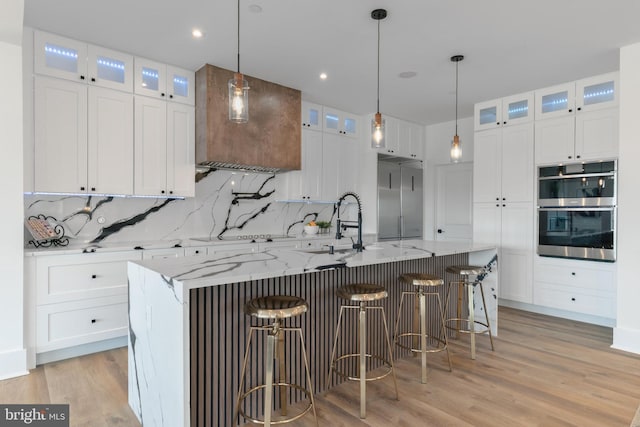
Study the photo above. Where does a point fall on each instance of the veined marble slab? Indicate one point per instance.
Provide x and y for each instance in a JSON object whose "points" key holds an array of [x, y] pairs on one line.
{"points": [[222, 268]]}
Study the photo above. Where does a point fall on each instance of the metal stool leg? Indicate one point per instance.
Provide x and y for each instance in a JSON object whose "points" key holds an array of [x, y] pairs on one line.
{"points": [[363, 359], [486, 314], [423, 333], [472, 319], [395, 329], [335, 344], [242, 375], [268, 392], [282, 374], [442, 329], [386, 335], [309, 385]]}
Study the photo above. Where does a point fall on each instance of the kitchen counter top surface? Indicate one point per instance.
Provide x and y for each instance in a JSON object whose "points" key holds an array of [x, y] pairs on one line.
{"points": [[79, 247], [222, 268]]}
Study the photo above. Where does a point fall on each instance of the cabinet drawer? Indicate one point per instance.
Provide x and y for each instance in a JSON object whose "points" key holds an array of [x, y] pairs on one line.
{"points": [[80, 322], [71, 278], [577, 276], [565, 298]]}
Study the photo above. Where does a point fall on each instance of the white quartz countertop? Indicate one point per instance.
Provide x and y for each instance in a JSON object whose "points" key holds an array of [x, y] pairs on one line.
{"points": [[222, 268]]}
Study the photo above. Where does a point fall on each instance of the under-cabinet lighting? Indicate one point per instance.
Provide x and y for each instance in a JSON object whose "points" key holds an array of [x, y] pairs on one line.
{"points": [[57, 50], [111, 64], [121, 196]]}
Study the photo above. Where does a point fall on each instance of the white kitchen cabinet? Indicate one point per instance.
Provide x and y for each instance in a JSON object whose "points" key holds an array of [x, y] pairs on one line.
{"points": [[578, 121], [340, 162], [579, 286], [590, 94], [391, 136], [508, 111], [510, 227], [588, 135], [503, 177], [83, 138], [503, 165], [410, 140], [163, 81], [312, 117], [76, 299], [341, 122], [164, 148], [70, 59], [306, 184]]}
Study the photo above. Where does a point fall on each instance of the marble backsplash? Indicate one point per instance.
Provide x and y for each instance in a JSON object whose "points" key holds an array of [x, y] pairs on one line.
{"points": [[217, 210]]}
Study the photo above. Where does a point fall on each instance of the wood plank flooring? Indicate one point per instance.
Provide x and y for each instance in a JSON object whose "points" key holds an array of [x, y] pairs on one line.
{"points": [[545, 372]]}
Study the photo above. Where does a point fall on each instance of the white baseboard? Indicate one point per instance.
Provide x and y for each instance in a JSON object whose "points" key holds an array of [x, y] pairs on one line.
{"points": [[80, 350], [626, 339], [13, 364], [579, 317]]}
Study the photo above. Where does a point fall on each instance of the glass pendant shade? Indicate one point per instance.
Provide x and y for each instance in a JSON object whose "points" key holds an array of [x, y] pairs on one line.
{"points": [[456, 149], [238, 99], [377, 131]]}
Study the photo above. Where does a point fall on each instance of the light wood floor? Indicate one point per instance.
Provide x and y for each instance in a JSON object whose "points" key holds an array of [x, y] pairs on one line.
{"points": [[545, 372]]}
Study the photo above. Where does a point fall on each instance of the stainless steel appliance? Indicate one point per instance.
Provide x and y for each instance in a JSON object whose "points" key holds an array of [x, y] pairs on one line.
{"points": [[399, 198], [577, 211]]}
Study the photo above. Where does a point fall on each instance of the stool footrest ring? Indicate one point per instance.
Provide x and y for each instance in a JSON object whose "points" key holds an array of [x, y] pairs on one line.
{"points": [[437, 349], [357, 355], [280, 421], [467, 330]]}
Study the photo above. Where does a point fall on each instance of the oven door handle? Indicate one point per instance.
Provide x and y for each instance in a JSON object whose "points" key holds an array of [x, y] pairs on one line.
{"points": [[581, 175], [581, 209]]}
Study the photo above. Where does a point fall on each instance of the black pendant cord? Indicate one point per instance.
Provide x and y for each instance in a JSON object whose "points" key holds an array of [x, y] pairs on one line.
{"points": [[378, 94], [238, 36], [457, 97]]}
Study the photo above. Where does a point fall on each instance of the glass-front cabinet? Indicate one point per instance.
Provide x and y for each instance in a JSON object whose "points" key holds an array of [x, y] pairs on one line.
{"points": [[69, 59], [311, 116], [508, 111], [336, 121], [158, 80], [593, 93], [60, 57]]}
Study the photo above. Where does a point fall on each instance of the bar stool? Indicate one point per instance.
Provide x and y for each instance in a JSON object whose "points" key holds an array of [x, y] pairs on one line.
{"points": [[276, 308], [362, 293], [431, 283], [466, 271]]}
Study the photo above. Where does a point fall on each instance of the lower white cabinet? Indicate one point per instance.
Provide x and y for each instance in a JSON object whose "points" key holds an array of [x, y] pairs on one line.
{"points": [[586, 287], [80, 322], [77, 299]]}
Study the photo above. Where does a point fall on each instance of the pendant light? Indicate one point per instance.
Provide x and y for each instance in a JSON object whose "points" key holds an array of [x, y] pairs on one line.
{"points": [[377, 124], [238, 90], [456, 149]]}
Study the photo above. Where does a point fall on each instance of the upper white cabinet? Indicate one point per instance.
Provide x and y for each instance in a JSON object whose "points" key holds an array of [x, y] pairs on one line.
{"points": [[312, 117], [164, 153], [512, 110], [164, 81], [578, 121], [593, 93], [503, 165], [340, 122], [69, 59], [83, 138], [403, 139], [339, 166]]}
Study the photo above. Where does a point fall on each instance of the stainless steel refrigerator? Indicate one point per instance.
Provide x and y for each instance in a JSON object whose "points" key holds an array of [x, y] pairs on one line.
{"points": [[399, 199]]}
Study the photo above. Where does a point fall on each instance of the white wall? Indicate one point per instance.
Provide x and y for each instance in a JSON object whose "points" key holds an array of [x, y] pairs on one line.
{"points": [[626, 335], [438, 150], [13, 360]]}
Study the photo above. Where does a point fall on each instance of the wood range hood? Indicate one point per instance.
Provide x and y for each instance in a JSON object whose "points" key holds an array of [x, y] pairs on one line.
{"points": [[269, 142]]}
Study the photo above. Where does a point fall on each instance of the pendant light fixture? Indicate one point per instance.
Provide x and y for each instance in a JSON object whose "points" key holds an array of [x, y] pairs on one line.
{"points": [[238, 90], [377, 124], [456, 149]]}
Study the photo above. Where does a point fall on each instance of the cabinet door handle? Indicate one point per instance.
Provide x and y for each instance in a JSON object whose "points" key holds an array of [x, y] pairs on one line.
{"points": [[573, 299], [498, 124], [93, 188], [504, 123], [570, 110], [93, 320], [162, 192], [93, 79], [81, 188], [578, 156], [503, 205], [171, 96], [81, 77], [93, 276], [573, 273], [568, 157], [162, 94], [170, 191], [579, 108]]}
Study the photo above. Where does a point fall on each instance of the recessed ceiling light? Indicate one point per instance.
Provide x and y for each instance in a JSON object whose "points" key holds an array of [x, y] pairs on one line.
{"points": [[255, 8], [197, 33], [407, 74], [323, 76]]}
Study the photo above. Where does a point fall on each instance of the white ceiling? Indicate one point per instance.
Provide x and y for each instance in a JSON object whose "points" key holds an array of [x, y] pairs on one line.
{"points": [[510, 46]]}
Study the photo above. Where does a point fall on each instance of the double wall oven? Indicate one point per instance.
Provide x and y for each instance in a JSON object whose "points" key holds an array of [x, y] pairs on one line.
{"points": [[577, 211]]}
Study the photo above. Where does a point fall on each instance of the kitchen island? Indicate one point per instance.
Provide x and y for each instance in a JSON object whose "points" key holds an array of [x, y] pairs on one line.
{"points": [[187, 327]]}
